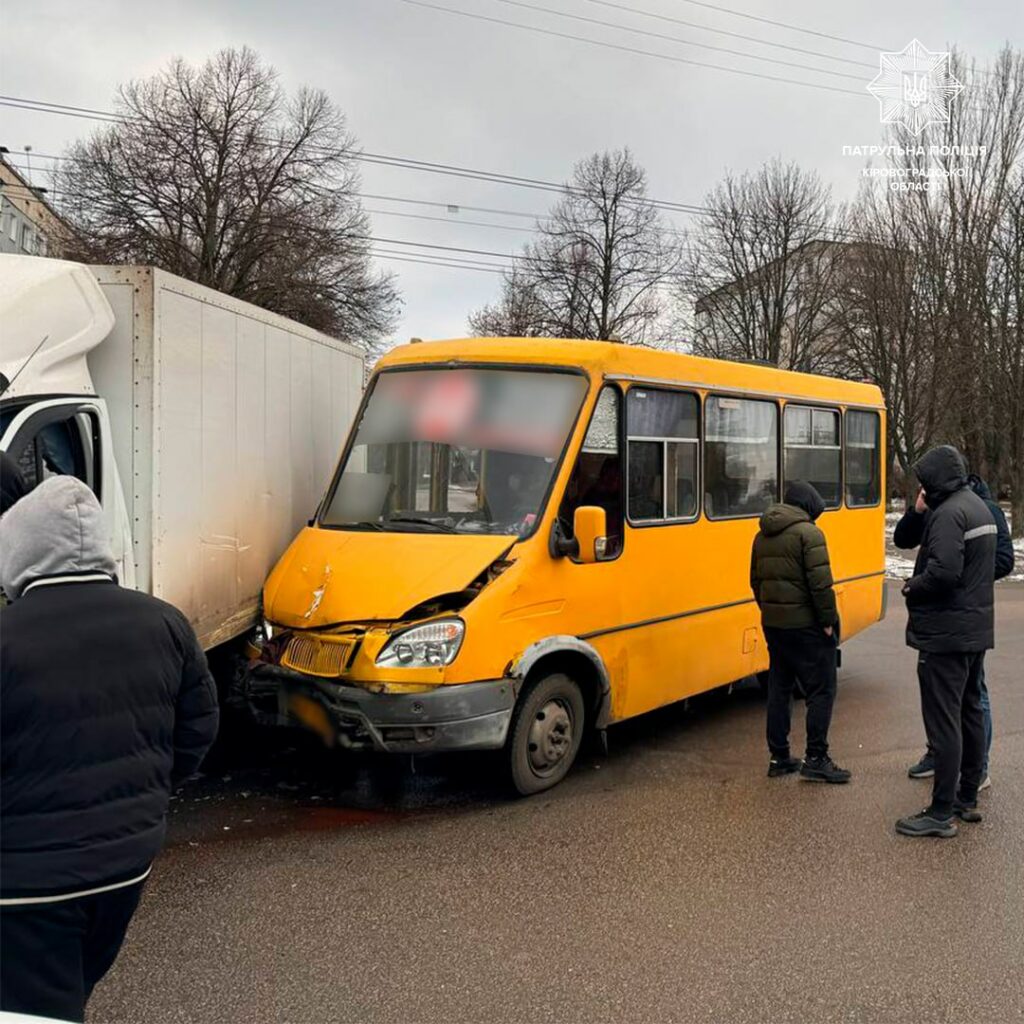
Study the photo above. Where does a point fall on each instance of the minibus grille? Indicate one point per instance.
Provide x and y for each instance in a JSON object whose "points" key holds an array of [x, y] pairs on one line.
{"points": [[318, 655]]}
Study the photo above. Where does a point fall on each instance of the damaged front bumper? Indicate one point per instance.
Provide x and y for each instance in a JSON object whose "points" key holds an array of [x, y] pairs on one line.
{"points": [[462, 716]]}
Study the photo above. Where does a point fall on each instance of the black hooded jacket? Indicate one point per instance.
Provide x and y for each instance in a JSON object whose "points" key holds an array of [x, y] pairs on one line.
{"points": [[950, 595], [107, 702], [910, 529], [1004, 542]]}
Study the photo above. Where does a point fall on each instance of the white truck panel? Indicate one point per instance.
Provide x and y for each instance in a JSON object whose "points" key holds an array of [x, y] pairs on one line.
{"points": [[237, 417], [52, 316]]}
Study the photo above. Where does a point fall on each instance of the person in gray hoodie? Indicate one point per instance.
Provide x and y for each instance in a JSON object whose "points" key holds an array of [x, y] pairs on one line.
{"points": [[107, 704]]}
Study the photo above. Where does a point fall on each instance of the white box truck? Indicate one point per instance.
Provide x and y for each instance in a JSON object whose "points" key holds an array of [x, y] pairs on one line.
{"points": [[207, 426]]}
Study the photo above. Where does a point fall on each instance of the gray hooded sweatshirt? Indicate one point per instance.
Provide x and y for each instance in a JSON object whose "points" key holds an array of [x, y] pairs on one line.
{"points": [[56, 529], [107, 703]]}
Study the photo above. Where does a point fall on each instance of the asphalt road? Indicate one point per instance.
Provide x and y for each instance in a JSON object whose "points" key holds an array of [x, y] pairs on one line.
{"points": [[667, 881]]}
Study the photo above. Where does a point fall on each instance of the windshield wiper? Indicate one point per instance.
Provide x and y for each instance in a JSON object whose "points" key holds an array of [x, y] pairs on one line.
{"points": [[360, 524], [429, 523]]}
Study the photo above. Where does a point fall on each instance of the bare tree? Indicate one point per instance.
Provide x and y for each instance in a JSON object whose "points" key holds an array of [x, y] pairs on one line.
{"points": [[596, 268], [762, 270], [885, 327], [932, 311], [1007, 367], [517, 314], [213, 173]]}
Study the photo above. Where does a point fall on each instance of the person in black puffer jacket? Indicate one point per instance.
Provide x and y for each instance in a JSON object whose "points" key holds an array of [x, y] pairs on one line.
{"points": [[791, 578], [908, 534], [951, 625], [107, 704]]}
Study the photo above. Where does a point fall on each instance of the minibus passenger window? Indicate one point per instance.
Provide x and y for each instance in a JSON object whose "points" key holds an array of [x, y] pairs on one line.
{"points": [[812, 450], [741, 459], [863, 458], [597, 476], [661, 428]]}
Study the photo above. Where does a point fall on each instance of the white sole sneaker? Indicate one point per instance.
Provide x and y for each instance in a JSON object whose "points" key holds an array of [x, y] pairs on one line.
{"points": [[985, 783]]}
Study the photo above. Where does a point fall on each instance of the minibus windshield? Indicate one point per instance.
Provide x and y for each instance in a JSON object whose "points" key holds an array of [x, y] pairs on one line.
{"points": [[456, 450]]}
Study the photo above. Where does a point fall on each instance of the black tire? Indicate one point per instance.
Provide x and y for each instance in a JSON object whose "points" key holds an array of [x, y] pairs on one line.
{"points": [[545, 735]]}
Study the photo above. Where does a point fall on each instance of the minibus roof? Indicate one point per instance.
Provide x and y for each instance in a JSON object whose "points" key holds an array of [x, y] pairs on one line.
{"points": [[616, 361]]}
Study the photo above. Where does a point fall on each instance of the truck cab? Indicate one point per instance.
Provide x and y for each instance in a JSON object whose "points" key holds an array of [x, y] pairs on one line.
{"points": [[52, 421]]}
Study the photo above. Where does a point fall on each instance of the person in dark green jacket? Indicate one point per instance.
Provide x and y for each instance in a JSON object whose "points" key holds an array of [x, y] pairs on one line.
{"points": [[791, 578]]}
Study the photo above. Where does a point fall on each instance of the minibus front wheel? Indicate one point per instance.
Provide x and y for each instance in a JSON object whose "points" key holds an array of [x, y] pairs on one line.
{"points": [[547, 727]]}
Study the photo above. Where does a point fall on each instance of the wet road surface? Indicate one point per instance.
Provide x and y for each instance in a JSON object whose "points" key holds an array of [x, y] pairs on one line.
{"points": [[669, 880]]}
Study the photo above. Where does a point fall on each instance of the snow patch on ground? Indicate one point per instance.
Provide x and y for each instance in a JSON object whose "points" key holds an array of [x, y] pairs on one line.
{"points": [[899, 565], [898, 568]]}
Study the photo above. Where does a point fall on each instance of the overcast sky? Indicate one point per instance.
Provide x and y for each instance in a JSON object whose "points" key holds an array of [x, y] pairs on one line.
{"points": [[432, 86]]}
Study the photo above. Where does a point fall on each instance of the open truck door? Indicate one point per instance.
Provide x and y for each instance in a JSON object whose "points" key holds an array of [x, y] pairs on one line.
{"points": [[71, 437]]}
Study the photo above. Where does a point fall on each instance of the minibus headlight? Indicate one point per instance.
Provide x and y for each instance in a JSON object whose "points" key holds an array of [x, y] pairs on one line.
{"points": [[428, 646]]}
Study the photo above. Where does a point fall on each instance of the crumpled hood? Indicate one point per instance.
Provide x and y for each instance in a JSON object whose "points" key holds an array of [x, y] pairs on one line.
{"points": [[941, 472], [331, 576], [979, 487], [777, 518], [56, 528]]}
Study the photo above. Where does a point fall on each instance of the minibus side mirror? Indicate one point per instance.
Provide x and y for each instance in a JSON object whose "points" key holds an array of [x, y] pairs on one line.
{"points": [[590, 526]]}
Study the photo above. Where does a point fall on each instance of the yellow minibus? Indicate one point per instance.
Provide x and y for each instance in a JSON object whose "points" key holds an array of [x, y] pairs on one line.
{"points": [[528, 538]]}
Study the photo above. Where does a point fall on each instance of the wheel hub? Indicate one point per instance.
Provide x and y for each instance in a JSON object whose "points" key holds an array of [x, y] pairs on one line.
{"points": [[550, 737]]}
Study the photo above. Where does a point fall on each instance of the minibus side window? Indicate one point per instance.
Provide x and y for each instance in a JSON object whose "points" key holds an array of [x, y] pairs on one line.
{"points": [[597, 476], [863, 458], [812, 450], [741, 456], [663, 447]]}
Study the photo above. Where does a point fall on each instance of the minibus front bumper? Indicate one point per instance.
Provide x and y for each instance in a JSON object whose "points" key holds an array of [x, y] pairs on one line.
{"points": [[462, 716]]}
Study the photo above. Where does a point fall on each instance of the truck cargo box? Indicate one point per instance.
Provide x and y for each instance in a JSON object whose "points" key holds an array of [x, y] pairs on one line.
{"points": [[225, 421]]}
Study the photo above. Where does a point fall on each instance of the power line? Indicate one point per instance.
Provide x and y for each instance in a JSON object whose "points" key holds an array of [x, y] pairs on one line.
{"points": [[725, 32], [780, 24], [449, 220], [396, 258], [676, 39], [453, 208], [441, 258], [492, 177], [834, 234], [448, 206], [628, 49], [767, 21]]}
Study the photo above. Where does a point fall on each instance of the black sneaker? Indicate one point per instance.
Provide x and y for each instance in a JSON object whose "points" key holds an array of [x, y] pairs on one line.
{"points": [[823, 769], [967, 810], [925, 823], [924, 769], [782, 766]]}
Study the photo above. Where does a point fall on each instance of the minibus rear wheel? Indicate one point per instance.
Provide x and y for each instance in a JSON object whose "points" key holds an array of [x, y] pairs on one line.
{"points": [[545, 735]]}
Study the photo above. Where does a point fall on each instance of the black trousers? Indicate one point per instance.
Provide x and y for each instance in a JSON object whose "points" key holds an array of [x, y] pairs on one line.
{"points": [[953, 722], [53, 954], [810, 656]]}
